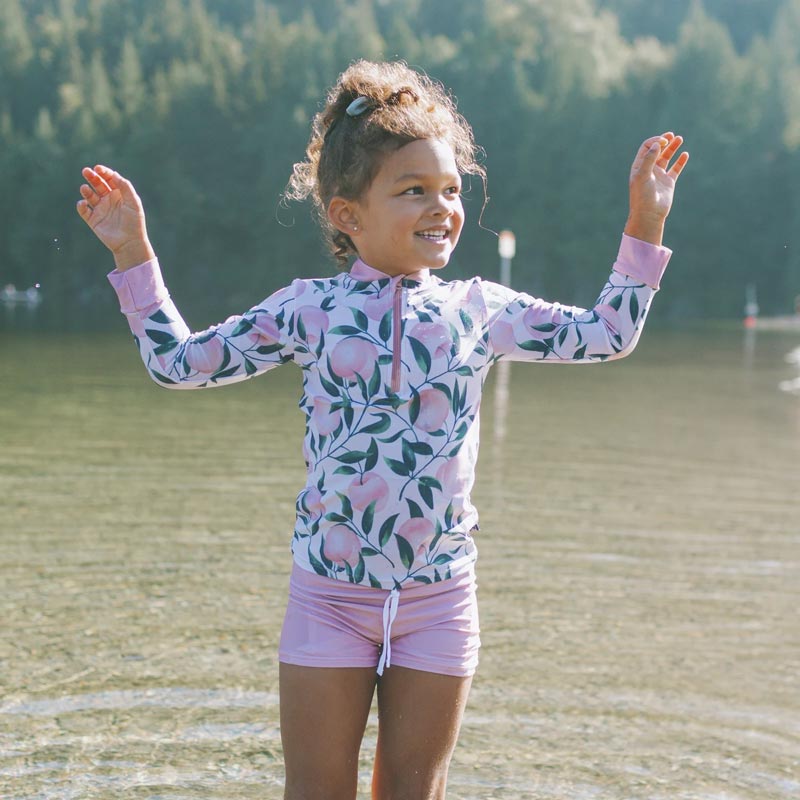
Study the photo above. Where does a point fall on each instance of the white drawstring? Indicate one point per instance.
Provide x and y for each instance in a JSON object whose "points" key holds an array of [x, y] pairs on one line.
{"points": [[389, 613]]}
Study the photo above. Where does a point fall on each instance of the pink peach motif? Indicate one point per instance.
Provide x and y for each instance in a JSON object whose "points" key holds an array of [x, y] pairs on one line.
{"points": [[342, 546], [435, 336], [535, 316], [503, 338], [205, 357], [610, 315], [325, 420], [454, 474], [312, 500], [418, 532], [264, 331], [375, 307], [367, 488], [433, 410], [352, 357], [315, 321]]}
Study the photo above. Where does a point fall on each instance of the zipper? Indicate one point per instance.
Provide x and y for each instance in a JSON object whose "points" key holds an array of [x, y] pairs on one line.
{"points": [[396, 321]]}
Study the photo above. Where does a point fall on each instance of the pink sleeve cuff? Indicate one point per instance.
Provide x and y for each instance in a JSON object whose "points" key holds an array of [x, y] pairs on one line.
{"points": [[641, 260], [139, 287]]}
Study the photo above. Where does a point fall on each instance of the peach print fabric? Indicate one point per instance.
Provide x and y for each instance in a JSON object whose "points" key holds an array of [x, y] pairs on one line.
{"points": [[393, 370]]}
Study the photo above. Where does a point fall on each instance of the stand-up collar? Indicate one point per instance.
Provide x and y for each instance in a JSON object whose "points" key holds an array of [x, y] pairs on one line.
{"points": [[364, 272]]}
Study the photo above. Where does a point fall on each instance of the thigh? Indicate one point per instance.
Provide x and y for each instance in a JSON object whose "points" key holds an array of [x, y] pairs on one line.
{"points": [[419, 717], [323, 715]]}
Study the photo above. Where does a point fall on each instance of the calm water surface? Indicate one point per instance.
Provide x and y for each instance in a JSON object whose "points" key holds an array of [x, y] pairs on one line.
{"points": [[639, 577]]}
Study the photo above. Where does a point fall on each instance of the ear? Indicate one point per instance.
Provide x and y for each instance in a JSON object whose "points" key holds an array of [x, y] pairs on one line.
{"points": [[343, 215]]}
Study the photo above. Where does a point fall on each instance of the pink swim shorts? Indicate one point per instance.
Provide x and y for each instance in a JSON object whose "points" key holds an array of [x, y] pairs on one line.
{"points": [[431, 627]]}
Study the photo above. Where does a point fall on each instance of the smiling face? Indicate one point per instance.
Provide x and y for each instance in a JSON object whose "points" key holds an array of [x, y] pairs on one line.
{"points": [[411, 215]]}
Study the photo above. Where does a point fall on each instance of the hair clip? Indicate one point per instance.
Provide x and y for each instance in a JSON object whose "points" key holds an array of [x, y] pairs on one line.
{"points": [[358, 106]]}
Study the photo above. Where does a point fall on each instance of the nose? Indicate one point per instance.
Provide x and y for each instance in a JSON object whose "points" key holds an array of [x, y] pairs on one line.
{"points": [[442, 206]]}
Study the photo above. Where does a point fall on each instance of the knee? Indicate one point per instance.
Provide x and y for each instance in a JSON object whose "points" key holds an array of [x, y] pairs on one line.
{"points": [[409, 784], [329, 788]]}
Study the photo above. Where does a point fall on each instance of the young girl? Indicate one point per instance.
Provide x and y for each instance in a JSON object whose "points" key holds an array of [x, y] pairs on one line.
{"points": [[382, 591]]}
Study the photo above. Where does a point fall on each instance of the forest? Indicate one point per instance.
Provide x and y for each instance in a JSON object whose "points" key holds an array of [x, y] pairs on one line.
{"points": [[206, 104]]}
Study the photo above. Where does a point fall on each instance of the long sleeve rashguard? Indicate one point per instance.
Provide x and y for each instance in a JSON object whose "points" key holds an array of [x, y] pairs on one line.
{"points": [[393, 369]]}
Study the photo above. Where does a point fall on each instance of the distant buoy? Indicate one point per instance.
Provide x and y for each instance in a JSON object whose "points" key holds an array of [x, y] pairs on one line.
{"points": [[750, 321]]}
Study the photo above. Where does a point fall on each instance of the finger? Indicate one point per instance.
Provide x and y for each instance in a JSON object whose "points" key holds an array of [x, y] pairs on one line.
{"points": [[643, 151], [116, 181], [669, 151], [96, 182], [676, 169], [89, 195], [84, 210], [109, 175]]}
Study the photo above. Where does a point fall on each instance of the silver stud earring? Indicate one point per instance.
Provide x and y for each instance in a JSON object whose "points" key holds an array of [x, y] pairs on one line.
{"points": [[355, 228]]}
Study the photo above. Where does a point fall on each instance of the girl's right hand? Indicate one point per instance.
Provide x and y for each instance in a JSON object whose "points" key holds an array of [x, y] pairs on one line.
{"points": [[113, 210]]}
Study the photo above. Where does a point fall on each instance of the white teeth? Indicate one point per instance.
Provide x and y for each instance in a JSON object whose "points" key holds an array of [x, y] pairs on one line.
{"points": [[436, 236]]}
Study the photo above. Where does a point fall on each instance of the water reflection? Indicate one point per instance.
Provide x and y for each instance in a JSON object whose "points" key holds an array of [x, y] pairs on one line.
{"points": [[639, 573]]}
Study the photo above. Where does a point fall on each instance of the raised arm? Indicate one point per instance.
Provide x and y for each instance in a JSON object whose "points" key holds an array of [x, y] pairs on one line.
{"points": [[175, 358], [525, 328]]}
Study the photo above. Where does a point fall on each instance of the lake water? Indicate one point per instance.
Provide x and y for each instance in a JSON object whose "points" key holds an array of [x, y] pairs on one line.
{"points": [[639, 576]]}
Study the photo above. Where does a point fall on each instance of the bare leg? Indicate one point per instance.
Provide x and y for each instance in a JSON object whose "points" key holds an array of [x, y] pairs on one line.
{"points": [[419, 716], [323, 715]]}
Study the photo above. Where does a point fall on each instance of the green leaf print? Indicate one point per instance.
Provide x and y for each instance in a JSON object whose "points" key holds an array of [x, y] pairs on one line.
{"points": [[344, 330], [301, 329], [334, 517], [422, 579], [562, 335], [634, 307], [162, 378], [579, 353], [381, 426], [159, 337], [534, 345], [268, 349], [361, 568], [421, 354], [422, 449], [387, 529], [546, 327], [347, 506], [374, 582], [225, 373], [427, 480], [374, 382], [345, 471], [465, 371], [442, 559], [165, 348], [413, 509], [330, 388], [616, 302], [409, 459], [249, 367], [360, 318], [385, 328], [406, 553], [414, 406], [368, 552], [368, 518], [398, 467], [372, 456], [353, 457], [243, 327], [315, 563], [161, 317], [466, 320], [426, 494], [444, 388]]}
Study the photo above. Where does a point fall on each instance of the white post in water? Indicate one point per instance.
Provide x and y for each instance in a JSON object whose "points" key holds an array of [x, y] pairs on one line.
{"points": [[507, 247]]}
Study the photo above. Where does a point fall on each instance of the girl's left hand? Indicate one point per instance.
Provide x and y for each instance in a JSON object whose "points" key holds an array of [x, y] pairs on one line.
{"points": [[652, 185]]}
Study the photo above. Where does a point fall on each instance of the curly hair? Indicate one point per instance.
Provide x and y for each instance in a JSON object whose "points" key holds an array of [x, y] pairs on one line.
{"points": [[345, 150]]}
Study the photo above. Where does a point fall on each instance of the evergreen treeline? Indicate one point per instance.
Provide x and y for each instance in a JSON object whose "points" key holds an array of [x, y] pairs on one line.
{"points": [[205, 105]]}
